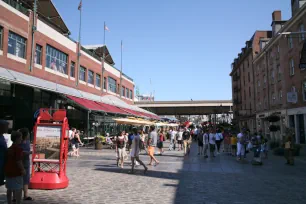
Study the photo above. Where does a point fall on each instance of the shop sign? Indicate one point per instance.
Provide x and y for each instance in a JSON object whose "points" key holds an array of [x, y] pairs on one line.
{"points": [[292, 97]]}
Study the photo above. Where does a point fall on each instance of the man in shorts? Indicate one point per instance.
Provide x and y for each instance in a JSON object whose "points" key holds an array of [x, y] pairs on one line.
{"points": [[186, 141], [180, 139], [152, 142]]}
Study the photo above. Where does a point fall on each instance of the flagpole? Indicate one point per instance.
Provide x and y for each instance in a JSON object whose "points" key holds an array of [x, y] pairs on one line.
{"points": [[120, 89], [103, 56], [79, 47]]}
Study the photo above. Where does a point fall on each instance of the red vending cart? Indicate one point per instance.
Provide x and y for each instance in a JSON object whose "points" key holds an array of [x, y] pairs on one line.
{"points": [[50, 150]]}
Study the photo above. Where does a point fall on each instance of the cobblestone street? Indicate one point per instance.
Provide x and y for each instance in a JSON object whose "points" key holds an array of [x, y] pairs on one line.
{"points": [[94, 178]]}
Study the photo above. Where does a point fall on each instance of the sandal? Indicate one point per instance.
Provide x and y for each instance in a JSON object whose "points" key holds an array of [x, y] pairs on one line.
{"points": [[28, 198]]}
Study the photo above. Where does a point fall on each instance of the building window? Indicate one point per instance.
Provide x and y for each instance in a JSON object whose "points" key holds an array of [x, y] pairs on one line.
{"points": [[249, 77], [104, 83], [16, 45], [90, 79], [131, 94], [293, 89], [302, 35], [291, 65], [258, 82], [56, 60], [279, 74], [127, 93], [1, 38], [272, 76], [38, 52], [280, 96], [250, 91], [278, 49], [304, 90], [98, 80], [72, 69], [112, 85], [290, 42], [273, 98], [265, 81], [82, 76], [123, 91]]}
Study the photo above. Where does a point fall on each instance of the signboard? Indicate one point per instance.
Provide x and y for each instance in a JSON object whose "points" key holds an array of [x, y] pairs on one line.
{"points": [[292, 97], [48, 140], [303, 57]]}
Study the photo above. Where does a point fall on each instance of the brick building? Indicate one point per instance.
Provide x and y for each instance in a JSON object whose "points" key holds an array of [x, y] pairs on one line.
{"points": [[243, 90], [53, 79], [279, 82]]}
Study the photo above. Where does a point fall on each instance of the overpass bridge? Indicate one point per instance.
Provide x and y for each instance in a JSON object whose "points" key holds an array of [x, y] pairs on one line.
{"points": [[202, 107]]}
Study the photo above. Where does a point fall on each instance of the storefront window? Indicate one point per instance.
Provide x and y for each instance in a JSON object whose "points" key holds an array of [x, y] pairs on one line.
{"points": [[56, 60], [38, 52], [98, 80], [82, 73], [90, 77], [5, 88], [16, 45], [112, 85]]}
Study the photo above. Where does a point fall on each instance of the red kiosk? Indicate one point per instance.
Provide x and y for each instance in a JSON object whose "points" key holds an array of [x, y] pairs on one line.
{"points": [[50, 149]]}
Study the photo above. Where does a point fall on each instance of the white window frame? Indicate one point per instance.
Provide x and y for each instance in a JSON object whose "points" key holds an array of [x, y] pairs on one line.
{"points": [[1, 38], [18, 40], [82, 68], [37, 50], [98, 76]]}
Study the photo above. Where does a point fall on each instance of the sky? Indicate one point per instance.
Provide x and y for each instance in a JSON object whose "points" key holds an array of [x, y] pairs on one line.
{"points": [[185, 48]]}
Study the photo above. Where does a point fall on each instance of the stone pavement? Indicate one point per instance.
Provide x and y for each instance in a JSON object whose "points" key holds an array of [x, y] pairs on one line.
{"points": [[94, 178]]}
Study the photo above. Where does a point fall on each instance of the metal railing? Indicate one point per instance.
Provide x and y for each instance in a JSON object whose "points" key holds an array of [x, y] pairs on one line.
{"points": [[17, 6]]}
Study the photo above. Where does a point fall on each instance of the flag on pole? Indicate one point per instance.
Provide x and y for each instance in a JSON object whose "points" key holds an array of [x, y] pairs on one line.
{"points": [[80, 5], [106, 28]]}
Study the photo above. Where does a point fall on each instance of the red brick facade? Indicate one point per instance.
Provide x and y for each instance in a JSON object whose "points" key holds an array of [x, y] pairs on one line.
{"points": [[10, 20]]}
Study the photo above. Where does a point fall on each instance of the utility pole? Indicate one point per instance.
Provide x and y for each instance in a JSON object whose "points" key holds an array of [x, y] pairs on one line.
{"points": [[33, 32]]}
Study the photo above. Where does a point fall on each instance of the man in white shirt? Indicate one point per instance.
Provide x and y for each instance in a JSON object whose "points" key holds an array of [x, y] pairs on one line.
{"points": [[212, 142], [206, 142], [241, 144], [219, 138], [180, 139]]}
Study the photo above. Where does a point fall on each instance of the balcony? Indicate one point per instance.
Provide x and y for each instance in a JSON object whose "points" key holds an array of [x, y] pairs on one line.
{"points": [[17, 6]]}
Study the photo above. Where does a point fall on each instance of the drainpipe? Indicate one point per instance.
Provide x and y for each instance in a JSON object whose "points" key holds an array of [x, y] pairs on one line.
{"points": [[33, 32]]}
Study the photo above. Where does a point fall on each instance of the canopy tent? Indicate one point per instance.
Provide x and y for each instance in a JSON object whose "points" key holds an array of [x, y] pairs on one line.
{"points": [[133, 121]]}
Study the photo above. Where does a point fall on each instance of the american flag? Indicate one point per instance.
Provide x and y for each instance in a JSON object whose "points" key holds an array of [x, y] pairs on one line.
{"points": [[80, 5], [106, 28]]}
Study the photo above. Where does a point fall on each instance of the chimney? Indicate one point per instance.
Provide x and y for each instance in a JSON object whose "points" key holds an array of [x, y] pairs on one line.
{"points": [[276, 22]]}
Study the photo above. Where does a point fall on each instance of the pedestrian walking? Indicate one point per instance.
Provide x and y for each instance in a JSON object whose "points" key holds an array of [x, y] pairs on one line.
{"points": [[120, 148], [135, 151], [26, 148], [241, 145], [14, 169], [186, 141], [234, 141], [180, 139], [219, 139], [289, 154], [152, 142], [212, 143], [71, 142], [77, 143], [3, 149], [160, 142], [206, 142], [200, 141]]}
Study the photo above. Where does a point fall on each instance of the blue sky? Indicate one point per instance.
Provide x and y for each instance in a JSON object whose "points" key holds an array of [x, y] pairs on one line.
{"points": [[185, 47]]}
